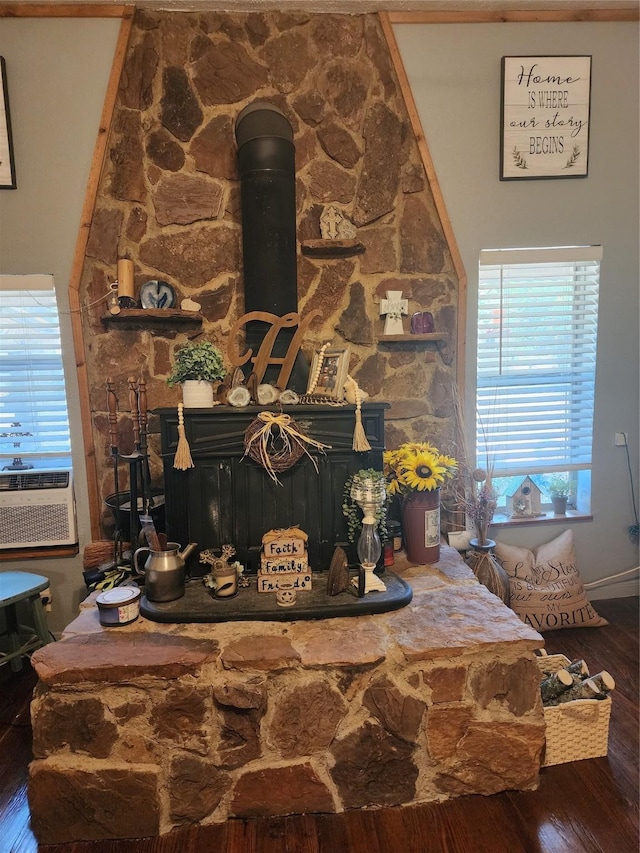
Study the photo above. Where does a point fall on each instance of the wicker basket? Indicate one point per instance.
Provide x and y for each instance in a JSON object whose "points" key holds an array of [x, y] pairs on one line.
{"points": [[574, 730]]}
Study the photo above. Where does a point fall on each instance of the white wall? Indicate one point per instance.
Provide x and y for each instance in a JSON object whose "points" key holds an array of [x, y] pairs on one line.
{"points": [[454, 72], [57, 71]]}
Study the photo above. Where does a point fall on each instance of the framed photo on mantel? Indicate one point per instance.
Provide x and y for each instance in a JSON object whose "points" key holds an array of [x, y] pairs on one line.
{"points": [[545, 117], [7, 168]]}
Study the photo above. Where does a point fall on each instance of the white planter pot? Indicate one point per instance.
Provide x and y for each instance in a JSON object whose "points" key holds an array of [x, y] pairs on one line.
{"points": [[366, 490], [197, 394]]}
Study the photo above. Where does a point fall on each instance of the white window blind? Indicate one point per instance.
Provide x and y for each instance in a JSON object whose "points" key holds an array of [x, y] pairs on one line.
{"points": [[34, 422], [536, 358]]}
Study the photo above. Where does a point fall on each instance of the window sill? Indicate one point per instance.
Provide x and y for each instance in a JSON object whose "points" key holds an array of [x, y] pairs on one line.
{"points": [[501, 520], [47, 553]]}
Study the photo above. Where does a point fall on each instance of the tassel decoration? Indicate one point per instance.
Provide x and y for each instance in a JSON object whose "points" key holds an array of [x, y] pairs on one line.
{"points": [[182, 460], [360, 443]]}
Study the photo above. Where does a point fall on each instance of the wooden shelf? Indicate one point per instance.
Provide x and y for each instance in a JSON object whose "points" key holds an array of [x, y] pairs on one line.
{"points": [[331, 248], [412, 339], [169, 319]]}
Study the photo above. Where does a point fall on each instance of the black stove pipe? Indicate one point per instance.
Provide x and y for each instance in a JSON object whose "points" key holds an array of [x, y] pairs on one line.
{"points": [[266, 163]]}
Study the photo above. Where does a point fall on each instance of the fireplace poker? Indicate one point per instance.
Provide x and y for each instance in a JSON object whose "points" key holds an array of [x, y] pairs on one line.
{"points": [[144, 431], [148, 527], [112, 409], [134, 459]]}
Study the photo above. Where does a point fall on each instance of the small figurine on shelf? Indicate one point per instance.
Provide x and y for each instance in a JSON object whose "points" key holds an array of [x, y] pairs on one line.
{"points": [[223, 578], [422, 323], [189, 304], [334, 225]]}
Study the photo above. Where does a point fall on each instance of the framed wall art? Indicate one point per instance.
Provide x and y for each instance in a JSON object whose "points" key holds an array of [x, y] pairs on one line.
{"points": [[328, 372], [7, 167], [545, 117]]}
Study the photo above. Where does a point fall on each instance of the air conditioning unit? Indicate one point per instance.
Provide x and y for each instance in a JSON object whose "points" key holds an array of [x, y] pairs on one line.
{"points": [[37, 508]]}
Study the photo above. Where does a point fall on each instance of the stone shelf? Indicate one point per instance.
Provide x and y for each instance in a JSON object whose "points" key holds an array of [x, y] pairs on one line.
{"points": [[331, 248], [158, 319]]}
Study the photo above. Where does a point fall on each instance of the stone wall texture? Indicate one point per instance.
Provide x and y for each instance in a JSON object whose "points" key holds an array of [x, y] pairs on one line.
{"points": [[169, 199], [145, 728]]}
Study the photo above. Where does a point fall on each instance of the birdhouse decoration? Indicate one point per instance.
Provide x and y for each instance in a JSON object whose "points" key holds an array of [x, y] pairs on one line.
{"points": [[525, 501]]}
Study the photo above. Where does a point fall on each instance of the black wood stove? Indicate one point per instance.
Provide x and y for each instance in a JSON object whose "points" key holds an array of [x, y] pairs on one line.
{"points": [[229, 498]]}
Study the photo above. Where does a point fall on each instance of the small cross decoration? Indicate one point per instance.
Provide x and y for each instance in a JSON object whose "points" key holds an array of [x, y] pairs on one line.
{"points": [[329, 223], [394, 306], [335, 226]]}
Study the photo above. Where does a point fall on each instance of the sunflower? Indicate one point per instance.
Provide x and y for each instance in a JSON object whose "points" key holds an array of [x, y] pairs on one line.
{"points": [[416, 447], [416, 466], [449, 463], [394, 486], [391, 458], [422, 472]]}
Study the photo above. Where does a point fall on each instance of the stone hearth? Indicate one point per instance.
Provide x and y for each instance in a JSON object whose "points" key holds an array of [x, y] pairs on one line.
{"points": [[143, 728]]}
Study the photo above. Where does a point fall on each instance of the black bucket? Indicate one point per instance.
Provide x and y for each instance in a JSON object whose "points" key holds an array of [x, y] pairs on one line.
{"points": [[122, 501]]}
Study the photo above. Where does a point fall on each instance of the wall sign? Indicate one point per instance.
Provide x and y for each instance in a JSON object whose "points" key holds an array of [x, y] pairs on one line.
{"points": [[545, 117], [7, 168]]}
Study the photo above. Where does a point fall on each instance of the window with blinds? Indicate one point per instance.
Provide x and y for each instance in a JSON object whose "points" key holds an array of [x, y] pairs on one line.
{"points": [[536, 359], [34, 422]]}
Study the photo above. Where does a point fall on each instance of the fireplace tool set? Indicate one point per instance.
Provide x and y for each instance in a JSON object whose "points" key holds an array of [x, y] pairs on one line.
{"points": [[140, 498], [164, 572]]}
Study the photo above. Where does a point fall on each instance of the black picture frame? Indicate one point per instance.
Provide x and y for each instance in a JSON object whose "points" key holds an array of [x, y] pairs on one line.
{"points": [[7, 163], [545, 115]]}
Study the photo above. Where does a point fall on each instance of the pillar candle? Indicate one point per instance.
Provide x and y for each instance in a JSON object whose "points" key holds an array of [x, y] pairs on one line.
{"points": [[125, 277]]}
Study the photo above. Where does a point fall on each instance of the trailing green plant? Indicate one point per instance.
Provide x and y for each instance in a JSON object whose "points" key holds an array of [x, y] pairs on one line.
{"points": [[197, 360], [559, 486], [352, 512]]}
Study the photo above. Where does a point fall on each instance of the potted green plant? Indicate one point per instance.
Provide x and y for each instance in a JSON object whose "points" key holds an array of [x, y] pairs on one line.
{"points": [[196, 366], [560, 489]]}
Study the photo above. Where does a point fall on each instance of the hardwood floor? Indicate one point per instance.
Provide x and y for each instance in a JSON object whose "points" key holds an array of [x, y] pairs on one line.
{"points": [[583, 807]]}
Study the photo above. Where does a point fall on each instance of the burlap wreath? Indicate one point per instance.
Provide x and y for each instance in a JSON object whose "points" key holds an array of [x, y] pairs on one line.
{"points": [[278, 449]]}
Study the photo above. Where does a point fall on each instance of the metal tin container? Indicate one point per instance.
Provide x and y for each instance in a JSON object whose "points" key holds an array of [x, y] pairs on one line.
{"points": [[118, 606]]}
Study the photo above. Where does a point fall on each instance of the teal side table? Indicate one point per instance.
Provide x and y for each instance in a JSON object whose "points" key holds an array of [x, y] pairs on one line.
{"points": [[14, 588]]}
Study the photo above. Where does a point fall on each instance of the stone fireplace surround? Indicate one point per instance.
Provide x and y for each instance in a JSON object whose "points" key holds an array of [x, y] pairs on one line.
{"points": [[141, 729], [168, 198]]}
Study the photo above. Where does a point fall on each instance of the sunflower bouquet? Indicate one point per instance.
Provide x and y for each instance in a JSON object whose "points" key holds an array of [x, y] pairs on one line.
{"points": [[416, 467]]}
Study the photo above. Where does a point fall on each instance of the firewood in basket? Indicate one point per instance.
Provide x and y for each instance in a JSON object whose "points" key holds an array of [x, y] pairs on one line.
{"points": [[578, 667], [554, 685], [605, 681], [585, 688]]}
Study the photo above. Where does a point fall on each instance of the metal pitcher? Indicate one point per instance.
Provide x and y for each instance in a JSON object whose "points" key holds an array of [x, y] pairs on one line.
{"points": [[163, 571]]}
